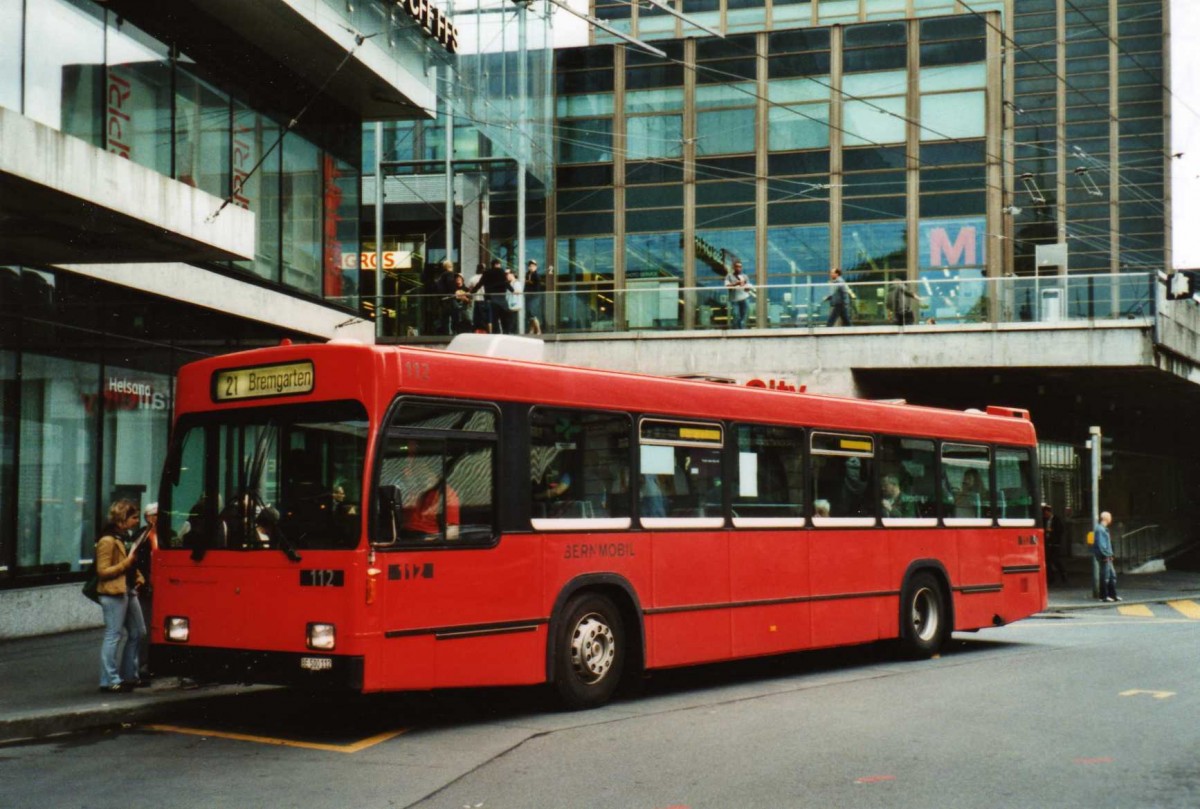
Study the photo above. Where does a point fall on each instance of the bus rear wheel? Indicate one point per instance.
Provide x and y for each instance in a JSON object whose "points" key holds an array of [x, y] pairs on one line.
{"points": [[590, 652], [924, 618]]}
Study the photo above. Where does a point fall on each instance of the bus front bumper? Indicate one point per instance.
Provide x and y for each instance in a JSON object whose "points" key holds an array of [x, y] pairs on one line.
{"points": [[207, 664]]}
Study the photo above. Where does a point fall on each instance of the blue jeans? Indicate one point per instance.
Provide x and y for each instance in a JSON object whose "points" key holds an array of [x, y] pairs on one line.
{"points": [[740, 310], [1108, 579], [122, 621]]}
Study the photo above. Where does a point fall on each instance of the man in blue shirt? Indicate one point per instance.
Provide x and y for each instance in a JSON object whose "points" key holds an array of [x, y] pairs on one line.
{"points": [[1103, 551]]}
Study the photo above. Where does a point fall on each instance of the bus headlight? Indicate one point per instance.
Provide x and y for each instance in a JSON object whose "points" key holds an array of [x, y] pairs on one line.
{"points": [[175, 629], [321, 636]]}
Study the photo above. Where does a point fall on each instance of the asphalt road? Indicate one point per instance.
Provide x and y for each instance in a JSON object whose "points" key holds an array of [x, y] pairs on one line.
{"points": [[1089, 710]]}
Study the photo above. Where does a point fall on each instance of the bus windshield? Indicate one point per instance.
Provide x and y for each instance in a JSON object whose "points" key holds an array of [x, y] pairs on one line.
{"points": [[283, 478]]}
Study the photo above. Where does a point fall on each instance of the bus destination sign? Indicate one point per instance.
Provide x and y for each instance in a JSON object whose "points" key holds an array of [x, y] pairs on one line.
{"points": [[292, 379]]}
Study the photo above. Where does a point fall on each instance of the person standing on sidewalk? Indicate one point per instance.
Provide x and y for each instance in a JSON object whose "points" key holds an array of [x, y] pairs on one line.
{"points": [[1103, 550], [122, 613], [1053, 543]]}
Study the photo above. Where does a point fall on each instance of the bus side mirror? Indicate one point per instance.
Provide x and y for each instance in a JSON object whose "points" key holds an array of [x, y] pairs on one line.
{"points": [[391, 514]]}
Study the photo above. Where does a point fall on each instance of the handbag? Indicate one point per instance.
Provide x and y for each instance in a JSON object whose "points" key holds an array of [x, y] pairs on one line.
{"points": [[91, 588]]}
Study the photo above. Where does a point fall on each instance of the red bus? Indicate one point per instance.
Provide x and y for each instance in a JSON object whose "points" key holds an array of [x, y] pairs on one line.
{"points": [[392, 518]]}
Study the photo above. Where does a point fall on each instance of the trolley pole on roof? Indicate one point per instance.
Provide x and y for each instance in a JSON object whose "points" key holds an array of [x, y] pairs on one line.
{"points": [[1094, 443]]}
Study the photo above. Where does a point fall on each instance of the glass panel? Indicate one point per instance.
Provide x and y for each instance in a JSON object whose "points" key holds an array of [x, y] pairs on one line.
{"points": [[654, 101], [65, 83], [58, 468], [585, 141], [797, 270], [287, 478], [437, 416], [137, 413], [842, 485], [654, 276], [654, 136], [948, 116], [838, 10], [880, 83], [447, 488], [805, 126], [583, 288], [1014, 484], [724, 132], [769, 475], [300, 203], [341, 231], [12, 21], [880, 120], [253, 135], [788, 91], [872, 247], [965, 476], [578, 106], [8, 455], [956, 77], [680, 482], [907, 485], [579, 464], [138, 91], [202, 135], [725, 95]]}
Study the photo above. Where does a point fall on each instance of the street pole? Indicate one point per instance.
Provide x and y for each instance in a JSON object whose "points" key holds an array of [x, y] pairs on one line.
{"points": [[378, 230], [1094, 444], [523, 123]]}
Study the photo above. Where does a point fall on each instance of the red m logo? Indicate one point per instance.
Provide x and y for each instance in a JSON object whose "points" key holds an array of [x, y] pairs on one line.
{"points": [[944, 253]]}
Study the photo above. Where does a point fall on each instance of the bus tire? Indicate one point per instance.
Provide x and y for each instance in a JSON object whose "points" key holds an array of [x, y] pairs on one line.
{"points": [[924, 617], [590, 652]]}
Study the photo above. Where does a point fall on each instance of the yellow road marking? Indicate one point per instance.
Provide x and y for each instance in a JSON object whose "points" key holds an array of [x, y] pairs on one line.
{"points": [[1189, 608], [1136, 610], [1133, 692], [354, 747]]}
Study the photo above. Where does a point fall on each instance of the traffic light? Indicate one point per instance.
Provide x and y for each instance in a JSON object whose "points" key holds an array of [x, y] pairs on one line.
{"points": [[1108, 454]]}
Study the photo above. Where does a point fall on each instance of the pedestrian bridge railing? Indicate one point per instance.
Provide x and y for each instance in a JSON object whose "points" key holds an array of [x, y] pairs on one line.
{"points": [[584, 304]]}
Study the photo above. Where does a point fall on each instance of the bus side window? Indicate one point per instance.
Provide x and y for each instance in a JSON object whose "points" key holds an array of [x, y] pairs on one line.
{"points": [[443, 476], [842, 475], [578, 464]]}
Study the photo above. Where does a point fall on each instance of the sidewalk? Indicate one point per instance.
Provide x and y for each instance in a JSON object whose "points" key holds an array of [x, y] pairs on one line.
{"points": [[50, 682]]}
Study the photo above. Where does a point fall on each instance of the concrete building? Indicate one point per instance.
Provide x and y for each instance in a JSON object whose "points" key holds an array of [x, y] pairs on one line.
{"points": [[174, 183]]}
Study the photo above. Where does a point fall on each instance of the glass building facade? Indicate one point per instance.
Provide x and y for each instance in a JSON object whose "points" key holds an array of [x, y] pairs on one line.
{"points": [[921, 140], [87, 365]]}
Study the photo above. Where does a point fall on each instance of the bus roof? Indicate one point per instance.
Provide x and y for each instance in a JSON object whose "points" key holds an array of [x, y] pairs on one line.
{"points": [[375, 374]]}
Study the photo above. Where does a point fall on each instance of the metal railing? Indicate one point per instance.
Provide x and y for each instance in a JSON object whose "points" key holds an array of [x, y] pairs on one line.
{"points": [[572, 306]]}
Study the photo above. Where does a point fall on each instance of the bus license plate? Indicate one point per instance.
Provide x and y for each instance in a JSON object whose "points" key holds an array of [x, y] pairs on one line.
{"points": [[316, 663]]}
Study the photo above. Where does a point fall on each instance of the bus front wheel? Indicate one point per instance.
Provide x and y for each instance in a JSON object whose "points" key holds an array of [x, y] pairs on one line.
{"points": [[924, 618], [590, 652]]}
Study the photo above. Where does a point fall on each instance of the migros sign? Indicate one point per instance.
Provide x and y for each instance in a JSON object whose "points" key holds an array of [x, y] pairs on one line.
{"points": [[433, 22]]}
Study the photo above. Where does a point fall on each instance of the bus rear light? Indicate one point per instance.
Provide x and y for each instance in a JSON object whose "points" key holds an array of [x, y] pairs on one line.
{"points": [[176, 629], [322, 636]]}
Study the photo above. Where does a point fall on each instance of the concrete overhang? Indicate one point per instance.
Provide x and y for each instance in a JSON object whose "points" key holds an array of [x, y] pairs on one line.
{"points": [[64, 200], [210, 290], [310, 39]]}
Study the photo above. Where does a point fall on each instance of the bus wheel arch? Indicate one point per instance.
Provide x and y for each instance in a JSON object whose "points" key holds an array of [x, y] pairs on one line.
{"points": [[595, 640], [926, 609]]}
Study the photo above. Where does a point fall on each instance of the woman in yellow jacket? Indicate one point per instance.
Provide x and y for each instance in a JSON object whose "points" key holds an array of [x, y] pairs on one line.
{"points": [[118, 583]]}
